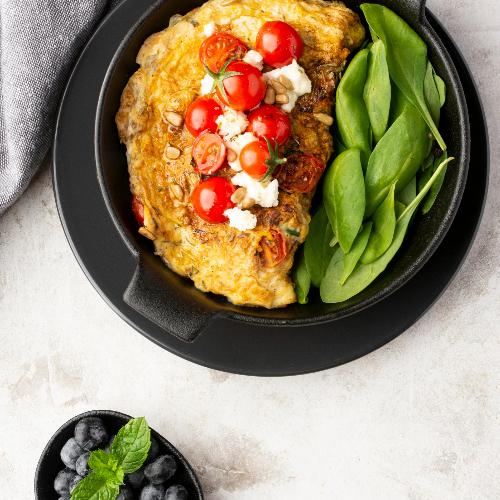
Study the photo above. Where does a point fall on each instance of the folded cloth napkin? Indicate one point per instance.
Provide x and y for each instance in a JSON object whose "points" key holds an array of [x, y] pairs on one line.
{"points": [[39, 42]]}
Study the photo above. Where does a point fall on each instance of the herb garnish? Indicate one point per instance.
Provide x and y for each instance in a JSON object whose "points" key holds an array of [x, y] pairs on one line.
{"points": [[273, 161], [219, 78]]}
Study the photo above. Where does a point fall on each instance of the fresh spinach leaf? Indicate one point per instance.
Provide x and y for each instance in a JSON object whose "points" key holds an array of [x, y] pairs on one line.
{"points": [[406, 58], [436, 187], [344, 196], [398, 103], [431, 94], [441, 86], [353, 121], [351, 259], [317, 250], [409, 192], [384, 222], [377, 90], [301, 277], [397, 156]]}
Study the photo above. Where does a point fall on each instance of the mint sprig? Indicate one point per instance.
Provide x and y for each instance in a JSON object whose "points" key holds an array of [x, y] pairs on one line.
{"points": [[273, 161], [127, 454], [219, 78]]}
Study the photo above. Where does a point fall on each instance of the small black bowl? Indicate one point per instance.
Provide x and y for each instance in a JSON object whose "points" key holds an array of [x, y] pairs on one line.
{"points": [[50, 462], [173, 302]]}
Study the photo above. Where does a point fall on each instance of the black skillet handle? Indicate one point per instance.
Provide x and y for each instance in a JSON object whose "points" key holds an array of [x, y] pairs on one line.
{"points": [[151, 295]]}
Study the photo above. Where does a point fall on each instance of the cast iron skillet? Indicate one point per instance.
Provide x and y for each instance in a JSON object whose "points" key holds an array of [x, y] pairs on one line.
{"points": [[50, 462], [173, 302]]}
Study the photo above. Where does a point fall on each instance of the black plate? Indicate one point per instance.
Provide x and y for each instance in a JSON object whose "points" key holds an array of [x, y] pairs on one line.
{"points": [[50, 462], [225, 344]]}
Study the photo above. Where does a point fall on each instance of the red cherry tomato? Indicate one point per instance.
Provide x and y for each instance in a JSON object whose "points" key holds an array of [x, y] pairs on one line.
{"points": [[243, 91], [138, 210], [201, 115], [279, 44], [252, 158], [219, 48], [271, 122], [274, 249], [209, 152], [212, 197], [300, 173]]}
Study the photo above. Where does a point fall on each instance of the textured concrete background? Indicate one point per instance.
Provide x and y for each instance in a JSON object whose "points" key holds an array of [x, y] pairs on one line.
{"points": [[418, 419]]}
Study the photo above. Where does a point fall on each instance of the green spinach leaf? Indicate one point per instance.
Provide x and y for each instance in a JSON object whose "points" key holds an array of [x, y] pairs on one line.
{"points": [[441, 86], [398, 103], [344, 196], [301, 277], [431, 94], [409, 192], [436, 187], [351, 259]]}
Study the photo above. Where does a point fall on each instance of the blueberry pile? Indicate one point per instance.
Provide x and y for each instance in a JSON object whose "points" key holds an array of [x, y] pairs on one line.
{"points": [[147, 483]]}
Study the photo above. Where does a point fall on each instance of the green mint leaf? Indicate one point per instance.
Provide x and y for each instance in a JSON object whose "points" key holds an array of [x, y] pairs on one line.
{"points": [[95, 487], [131, 445], [104, 465]]}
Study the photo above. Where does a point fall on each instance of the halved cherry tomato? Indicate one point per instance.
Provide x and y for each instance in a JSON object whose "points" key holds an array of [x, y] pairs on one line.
{"points": [[219, 48], [271, 122], [253, 157], [201, 115], [274, 250], [212, 197], [279, 44], [138, 210], [300, 173], [209, 152], [243, 91]]}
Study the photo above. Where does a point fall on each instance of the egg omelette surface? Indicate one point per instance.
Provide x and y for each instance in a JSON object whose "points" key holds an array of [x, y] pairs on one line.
{"points": [[219, 258]]}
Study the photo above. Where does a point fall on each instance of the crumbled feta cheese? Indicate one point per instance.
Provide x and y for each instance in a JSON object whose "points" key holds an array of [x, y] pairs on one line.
{"points": [[241, 219], [206, 84], [300, 81], [254, 58], [265, 195], [231, 123], [237, 143], [209, 28]]}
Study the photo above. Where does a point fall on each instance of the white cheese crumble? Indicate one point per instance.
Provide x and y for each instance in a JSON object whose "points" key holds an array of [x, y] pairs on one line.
{"points": [[241, 219], [237, 143], [209, 29], [231, 123], [265, 195], [300, 81], [254, 58], [206, 84]]}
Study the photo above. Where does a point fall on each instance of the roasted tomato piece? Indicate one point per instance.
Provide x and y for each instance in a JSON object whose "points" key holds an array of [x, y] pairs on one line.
{"points": [[212, 197], [274, 249], [138, 210], [219, 48], [209, 152], [300, 173], [201, 116], [279, 44], [270, 121]]}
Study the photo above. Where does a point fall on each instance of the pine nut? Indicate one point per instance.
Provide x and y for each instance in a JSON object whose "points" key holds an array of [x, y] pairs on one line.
{"points": [[247, 203], [285, 81], [172, 153], [323, 118], [231, 155], [146, 233], [174, 119], [177, 191], [239, 195], [280, 89], [282, 99], [270, 96]]}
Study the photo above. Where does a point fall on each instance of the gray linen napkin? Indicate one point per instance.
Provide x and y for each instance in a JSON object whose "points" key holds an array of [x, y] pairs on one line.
{"points": [[39, 42]]}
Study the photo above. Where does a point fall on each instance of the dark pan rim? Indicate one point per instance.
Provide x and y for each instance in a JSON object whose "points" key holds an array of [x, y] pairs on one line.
{"points": [[249, 316]]}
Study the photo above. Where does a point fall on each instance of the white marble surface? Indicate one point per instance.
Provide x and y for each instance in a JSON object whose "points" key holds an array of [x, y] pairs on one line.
{"points": [[418, 419]]}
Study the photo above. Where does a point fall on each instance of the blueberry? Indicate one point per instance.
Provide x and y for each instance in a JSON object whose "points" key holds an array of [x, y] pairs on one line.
{"points": [[90, 433], [152, 492], [82, 464], [73, 483], [70, 452], [110, 442], [62, 480], [176, 492], [153, 450], [161, 469], [136, 479], [126, 493]]}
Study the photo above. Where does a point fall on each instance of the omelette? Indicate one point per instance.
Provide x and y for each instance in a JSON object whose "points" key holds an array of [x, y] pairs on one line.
{"points": [[242, 265]]}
